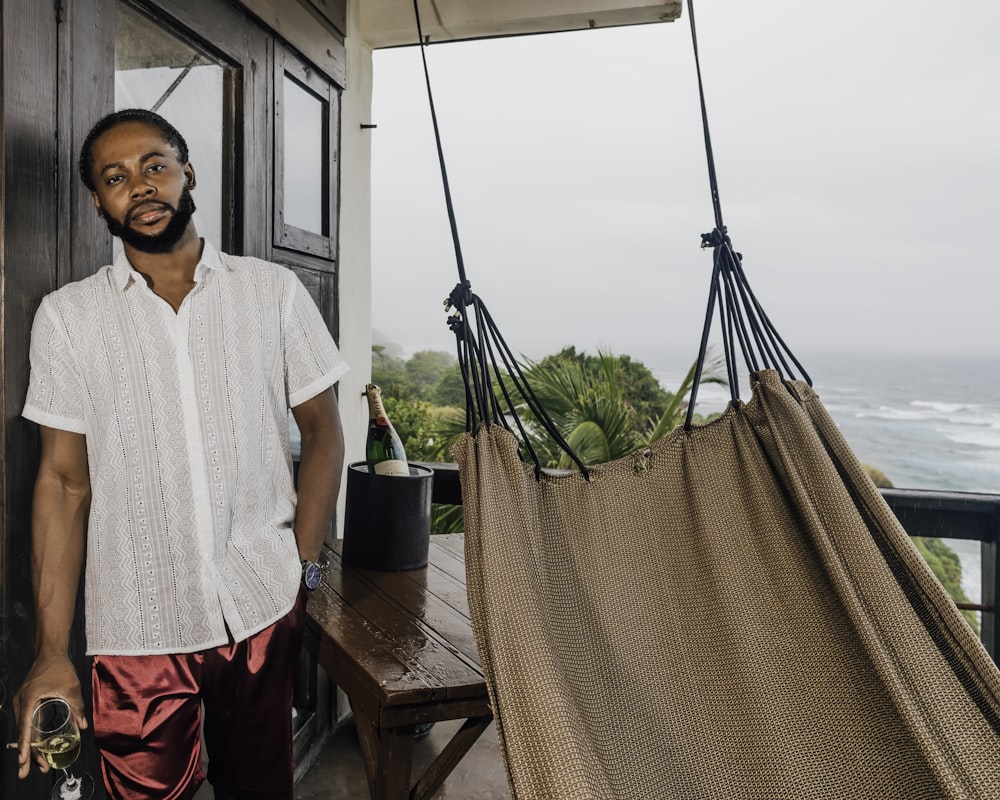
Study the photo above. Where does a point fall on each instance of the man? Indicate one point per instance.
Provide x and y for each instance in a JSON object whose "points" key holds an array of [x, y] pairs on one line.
{"points": [[162, 385]]}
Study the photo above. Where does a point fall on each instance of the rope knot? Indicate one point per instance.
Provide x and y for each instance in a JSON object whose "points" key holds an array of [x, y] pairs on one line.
{"points": [[716, 238], [460, 296]]}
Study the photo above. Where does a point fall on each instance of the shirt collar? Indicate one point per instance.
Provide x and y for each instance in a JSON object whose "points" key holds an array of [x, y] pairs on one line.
{"points": [[125, 274]]}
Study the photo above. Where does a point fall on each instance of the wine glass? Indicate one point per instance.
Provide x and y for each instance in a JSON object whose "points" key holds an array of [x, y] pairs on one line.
{"points": [[56, 736]]}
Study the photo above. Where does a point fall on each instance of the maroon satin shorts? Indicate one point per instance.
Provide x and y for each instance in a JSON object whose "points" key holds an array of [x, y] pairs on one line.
{"points": [[148, 718]]}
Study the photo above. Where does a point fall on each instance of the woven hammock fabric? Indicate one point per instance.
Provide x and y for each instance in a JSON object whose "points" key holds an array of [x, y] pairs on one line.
{"points": [[738, 616]]}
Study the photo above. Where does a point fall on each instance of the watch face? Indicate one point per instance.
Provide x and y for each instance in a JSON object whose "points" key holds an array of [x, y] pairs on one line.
{"points": [[311, 575]]}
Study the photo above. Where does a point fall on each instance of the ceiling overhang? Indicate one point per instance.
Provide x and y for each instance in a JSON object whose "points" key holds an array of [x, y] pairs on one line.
{"points": [[390, 23]]}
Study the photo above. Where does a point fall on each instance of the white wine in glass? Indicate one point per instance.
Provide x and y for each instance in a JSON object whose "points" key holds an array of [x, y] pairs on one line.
{"points": [[56, 736]]}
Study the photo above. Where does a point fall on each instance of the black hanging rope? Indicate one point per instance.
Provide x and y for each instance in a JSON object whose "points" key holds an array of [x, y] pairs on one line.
{"points": [[480, 346], [743, 320], [746, 329]]}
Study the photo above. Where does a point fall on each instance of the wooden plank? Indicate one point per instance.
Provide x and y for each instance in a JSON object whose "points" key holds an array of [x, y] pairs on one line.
{"points": [[394, 716], [443, 582], [416, 644], [333, 10], [408, 663], [428, 604], [435, 601], [86, 94], [358, 658], [454, 543], [452, 563], [308, 31], [449, 588]]}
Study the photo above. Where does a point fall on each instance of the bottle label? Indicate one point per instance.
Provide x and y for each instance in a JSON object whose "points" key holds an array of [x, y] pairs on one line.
{"points": [[392, 467]]}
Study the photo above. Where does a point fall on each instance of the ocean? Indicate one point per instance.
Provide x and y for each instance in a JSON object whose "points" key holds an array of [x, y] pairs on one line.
{"points": [[928, 422]]}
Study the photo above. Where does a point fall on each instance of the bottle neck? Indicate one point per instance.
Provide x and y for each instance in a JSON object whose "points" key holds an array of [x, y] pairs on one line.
{"points": [[375, 408]]}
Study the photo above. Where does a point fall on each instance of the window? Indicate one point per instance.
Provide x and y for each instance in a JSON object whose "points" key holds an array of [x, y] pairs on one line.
{"points": [[305, 163]]}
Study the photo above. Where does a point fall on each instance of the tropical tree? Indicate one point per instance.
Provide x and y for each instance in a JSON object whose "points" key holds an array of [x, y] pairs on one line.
{"points": [[415, 378], [425, 369], [595, 401]]}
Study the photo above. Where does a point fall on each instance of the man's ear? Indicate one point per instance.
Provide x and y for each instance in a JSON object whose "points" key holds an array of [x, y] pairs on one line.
{"points": [[97, 205], [189, 172]]}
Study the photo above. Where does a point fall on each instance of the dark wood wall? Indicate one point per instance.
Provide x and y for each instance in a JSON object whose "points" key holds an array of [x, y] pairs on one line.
{"points": [[31, 267]]}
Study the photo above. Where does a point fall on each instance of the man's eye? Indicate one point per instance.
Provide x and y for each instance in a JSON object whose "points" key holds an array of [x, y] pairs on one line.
{"points": [[156, 168], [114, 179]]}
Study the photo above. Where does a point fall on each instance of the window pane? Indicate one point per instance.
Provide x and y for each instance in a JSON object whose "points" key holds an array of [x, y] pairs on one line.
{"points": [[304, 157], [155, 69]]}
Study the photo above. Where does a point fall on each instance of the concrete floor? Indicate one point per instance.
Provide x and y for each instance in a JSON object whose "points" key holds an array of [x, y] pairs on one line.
{"points": [[338, 772]]}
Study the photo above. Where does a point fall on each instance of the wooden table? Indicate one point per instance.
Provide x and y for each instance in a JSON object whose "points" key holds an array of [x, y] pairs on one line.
{"points": [[400, 645]]}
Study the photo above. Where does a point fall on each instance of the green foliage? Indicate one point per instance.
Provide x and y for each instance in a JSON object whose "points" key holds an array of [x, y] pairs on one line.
{"points": [[676, 410], [945, 564], [879, 478], [414, 421], [425, 369], [416, 378], [634, 382], [605, 406], [447, 519], [389, 373], [450, 388], [585, 398]]}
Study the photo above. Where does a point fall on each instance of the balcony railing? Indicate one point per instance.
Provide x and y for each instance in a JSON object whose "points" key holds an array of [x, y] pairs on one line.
{"points": [[944, 515], [958, 515]]}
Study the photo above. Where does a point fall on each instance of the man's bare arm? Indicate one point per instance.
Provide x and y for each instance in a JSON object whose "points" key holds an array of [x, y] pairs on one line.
{"points": [[320, 468], [58, 530]]}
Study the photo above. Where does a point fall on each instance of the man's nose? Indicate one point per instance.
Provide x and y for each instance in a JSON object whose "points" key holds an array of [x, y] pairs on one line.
{"points": [[140, 187]]}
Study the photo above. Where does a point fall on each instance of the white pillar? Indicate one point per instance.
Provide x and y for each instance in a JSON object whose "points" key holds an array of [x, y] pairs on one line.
{"points": [[355, 264]]}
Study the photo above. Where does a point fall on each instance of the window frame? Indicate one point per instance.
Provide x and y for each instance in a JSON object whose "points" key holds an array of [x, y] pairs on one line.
{"points": [[285, 235]]}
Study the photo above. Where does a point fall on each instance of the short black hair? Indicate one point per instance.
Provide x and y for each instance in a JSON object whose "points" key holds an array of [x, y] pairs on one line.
{"points": [[170, 134]]}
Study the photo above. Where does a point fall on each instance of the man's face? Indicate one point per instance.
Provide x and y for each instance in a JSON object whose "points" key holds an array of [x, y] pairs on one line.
{"points": [[142, 188]]}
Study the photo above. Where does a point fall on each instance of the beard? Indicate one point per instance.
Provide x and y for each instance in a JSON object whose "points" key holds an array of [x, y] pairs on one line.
{"points": [[162, 242]]}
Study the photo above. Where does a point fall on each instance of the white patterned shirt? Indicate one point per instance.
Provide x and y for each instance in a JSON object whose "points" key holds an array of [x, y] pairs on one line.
{"points": [[186, 420]]}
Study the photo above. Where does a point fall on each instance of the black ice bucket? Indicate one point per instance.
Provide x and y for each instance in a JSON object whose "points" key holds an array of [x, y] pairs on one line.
{"points": [[387, 522]]}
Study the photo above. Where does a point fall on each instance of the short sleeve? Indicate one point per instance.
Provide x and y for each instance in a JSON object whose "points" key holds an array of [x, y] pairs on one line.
{"points": [[312, 361], [53, 396]]}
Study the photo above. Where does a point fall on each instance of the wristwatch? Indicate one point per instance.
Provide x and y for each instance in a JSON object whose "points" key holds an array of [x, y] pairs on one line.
{"points": [[312, 574]]}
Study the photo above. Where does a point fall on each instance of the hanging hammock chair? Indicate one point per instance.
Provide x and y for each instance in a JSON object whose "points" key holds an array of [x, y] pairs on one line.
{"points": [[733, 612]]}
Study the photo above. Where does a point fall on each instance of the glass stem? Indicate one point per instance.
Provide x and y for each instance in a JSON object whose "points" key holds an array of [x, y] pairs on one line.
{"points": [[70, 790]]}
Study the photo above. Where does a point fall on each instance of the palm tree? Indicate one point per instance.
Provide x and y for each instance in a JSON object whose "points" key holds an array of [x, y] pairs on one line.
{"points": [[588, 402]]}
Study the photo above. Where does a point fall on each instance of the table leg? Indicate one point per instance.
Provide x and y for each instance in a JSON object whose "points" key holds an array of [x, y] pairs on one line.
{"points": [[448, 758], [388, 756]]}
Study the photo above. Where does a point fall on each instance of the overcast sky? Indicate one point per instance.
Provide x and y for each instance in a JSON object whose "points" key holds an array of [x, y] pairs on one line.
{"points": [[858, 152]]}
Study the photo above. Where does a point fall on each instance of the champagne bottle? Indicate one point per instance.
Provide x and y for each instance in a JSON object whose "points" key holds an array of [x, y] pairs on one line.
{"points": [[384, 451]]}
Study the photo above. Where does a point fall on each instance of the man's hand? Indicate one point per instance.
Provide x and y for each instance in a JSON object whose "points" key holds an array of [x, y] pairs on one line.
{"points": [[50, 676], [58, 531]]}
